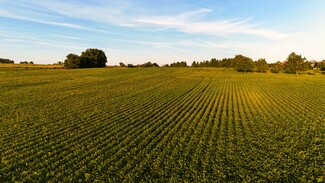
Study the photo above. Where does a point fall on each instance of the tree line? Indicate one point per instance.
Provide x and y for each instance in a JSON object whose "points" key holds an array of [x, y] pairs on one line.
{"points": [[6, 61], [293, 64], [89, 58]]}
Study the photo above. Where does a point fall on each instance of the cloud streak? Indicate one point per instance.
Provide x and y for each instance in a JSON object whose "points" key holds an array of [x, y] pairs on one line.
{"points": [[187, 23], [121, 13]]}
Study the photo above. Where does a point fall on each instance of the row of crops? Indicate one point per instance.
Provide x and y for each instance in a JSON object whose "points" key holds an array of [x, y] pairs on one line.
{"points": [[160, 124]]}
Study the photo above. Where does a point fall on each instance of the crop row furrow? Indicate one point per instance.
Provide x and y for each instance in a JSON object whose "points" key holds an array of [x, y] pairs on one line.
{"points": [[171, 121]]}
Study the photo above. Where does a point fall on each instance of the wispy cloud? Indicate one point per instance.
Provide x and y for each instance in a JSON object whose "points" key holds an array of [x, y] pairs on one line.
{"points": [[109, 11], [120, 13], [188, 22], [67, 37], [28, 41], [7, 14]]}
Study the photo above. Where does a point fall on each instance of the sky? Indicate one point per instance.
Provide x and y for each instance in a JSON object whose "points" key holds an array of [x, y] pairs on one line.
{"points": [[165, 31]]}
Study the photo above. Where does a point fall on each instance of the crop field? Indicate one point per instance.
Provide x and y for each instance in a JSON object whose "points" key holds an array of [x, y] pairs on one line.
{"points": [[160, 125]]}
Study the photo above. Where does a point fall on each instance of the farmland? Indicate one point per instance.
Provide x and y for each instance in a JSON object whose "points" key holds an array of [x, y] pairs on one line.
{"points": [[160, 124]]}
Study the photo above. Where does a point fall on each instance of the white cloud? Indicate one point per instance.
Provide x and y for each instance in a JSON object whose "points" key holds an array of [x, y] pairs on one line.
{"points": [[186, 22], [102, 11], [120, 13], [7, 14]]}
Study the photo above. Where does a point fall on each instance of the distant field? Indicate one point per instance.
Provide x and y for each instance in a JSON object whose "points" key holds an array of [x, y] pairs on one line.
{"points": [[160, 124], [30, 66]]}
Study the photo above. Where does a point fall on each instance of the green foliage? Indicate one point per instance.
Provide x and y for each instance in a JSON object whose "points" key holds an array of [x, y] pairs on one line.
{"points": [[295, 63], [160, 125], [243, 64], [131, 66], [149, 64], [322, 65], [261, 66], [6, 61], [226, 62], [89, 59], [93, 58], [72, 61], [122, 64], [277, 67], [179, 64]]}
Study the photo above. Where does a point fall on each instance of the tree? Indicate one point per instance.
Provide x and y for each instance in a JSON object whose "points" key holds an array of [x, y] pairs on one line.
{"points": [[261, 66], [30, 62], [72, 61], [295, 63], [213, 62], [194, 64], [122, 64], [179, 64], [131, 66], [322, 65], [277, 67], [228, 62], [93, 58], [243, 64], [6, 61], [88, 59]]}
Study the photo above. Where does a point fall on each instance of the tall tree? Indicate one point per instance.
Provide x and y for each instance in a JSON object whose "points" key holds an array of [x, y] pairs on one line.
{"points": [[243, 64], [295, 63], [72, 61], [194, 64], [93, 58], [261, 65]]}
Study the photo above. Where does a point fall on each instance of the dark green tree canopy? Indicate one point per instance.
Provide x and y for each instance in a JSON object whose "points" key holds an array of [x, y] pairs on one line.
{"points": [[7, 61], [149, 64], [322, 65], [90, 58], [243, 64], [295, 63], [122, 64], [261, 65], [277, 67], [93, 58], [72, 61], [179, 64]]}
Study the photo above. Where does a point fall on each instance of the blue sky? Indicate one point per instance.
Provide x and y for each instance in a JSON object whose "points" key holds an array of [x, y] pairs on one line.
{"points": [[163, 31]]}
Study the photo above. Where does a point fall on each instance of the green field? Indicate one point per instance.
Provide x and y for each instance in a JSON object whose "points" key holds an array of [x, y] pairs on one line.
{"points": [[160, 125]]}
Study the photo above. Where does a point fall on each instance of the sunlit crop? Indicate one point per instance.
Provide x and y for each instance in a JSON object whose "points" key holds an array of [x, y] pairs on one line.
{"points": [[166, 124]]}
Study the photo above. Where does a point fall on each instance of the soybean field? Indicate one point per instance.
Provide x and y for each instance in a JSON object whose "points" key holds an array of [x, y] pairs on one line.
{"points": [[160, 125]]}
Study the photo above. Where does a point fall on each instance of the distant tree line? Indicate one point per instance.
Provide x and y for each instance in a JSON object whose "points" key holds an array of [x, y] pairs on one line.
{"points": [[26, 62], [6, 61], [147, 64], [178, 64], [150, 64], [90, 58], [293, 64], [240, 63]]}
